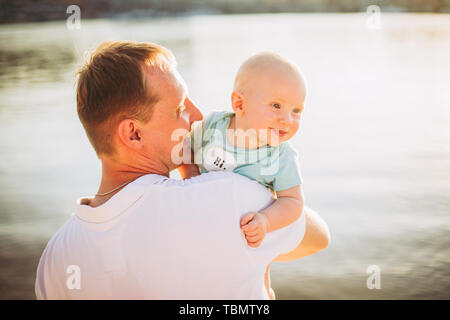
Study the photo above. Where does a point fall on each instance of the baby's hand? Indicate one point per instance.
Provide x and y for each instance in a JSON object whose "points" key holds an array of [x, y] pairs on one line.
{"points": [[254, 225]]}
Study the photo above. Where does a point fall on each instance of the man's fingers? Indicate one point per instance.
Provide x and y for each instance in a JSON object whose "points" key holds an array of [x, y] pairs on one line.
{"points": [[246, 218]]}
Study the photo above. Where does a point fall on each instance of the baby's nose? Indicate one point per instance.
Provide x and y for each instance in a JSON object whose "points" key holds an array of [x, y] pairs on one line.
{"points": [[285, 120]]}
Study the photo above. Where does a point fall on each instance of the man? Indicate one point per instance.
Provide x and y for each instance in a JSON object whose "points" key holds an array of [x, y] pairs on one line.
{"points": [[143, 235]]}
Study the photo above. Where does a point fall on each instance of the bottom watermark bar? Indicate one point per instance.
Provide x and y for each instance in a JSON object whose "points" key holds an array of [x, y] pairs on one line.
{"points": [[242, 309], [206, 309]]}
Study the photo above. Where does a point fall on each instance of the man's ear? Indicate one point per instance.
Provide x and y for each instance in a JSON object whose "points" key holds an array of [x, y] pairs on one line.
{"points": [[237, 102], [129, 133]]}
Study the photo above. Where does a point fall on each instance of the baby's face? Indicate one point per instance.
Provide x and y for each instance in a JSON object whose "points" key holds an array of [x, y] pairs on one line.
{"points": [[274, 102]]}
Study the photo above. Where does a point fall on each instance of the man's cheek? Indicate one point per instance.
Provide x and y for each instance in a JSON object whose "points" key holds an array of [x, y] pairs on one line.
{"points": [[186, 118], [178, 148]]}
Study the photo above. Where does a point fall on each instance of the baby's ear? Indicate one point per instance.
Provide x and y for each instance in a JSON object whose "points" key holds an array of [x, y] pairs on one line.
{"points": [[237, 102]]}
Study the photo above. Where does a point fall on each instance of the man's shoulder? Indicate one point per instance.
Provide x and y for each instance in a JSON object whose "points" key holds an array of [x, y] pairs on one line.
{"points": [[248, 194], [228, 176], [241, 187]]}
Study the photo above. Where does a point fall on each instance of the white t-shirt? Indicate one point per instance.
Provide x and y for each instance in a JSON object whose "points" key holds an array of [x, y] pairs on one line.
{"points": [[161, 238]]}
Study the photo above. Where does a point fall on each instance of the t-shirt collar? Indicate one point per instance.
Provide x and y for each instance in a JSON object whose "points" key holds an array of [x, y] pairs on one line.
{"points": [[118, 203]]}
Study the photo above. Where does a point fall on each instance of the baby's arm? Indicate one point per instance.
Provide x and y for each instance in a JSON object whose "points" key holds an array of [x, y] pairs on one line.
{"points": [[284, 211]]}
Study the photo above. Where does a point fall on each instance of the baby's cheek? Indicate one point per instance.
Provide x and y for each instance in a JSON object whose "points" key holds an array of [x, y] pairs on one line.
{"points": [[291, 134], [295, 127], [274, 140]]}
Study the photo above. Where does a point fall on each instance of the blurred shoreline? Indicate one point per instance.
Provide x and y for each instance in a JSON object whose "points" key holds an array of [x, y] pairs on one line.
{"points": [[50, 10]]}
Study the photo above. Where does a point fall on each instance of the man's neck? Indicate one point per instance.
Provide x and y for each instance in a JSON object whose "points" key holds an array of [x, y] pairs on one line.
{"points": [[114, 176]]}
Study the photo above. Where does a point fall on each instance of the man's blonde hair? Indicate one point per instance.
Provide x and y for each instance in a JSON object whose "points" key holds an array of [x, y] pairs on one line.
{"points": [[112, 87]]}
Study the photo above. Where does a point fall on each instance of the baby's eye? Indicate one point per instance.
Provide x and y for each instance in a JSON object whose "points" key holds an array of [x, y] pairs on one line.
{"points": [[276, 105], [297, 110]]}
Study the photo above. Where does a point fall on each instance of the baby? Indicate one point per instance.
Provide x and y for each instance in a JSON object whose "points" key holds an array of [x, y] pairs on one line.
{"points": [[268, 96]]}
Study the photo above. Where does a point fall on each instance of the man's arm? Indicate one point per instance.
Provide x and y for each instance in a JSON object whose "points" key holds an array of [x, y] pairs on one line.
{"points": [[316, 238]]}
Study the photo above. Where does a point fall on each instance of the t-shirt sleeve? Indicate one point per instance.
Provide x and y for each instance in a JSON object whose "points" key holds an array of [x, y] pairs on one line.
{"points": [[289, 173], [252, 196]]}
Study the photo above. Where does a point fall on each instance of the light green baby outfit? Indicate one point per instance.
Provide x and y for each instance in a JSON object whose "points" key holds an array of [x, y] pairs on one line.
{"points": [[275, 167]]}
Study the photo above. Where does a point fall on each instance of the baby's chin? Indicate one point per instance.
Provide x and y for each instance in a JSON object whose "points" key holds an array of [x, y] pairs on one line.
{"points": [[275, 140]]}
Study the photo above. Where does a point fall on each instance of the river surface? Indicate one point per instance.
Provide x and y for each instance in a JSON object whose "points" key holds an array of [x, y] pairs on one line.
{"points": [[374, 141]]}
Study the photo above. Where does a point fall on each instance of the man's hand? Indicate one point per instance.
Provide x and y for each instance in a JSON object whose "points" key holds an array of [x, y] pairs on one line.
{"points": [[255, 226]]}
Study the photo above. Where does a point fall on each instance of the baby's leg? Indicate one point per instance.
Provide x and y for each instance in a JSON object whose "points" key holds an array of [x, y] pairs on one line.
{"points": [[269, 290]]}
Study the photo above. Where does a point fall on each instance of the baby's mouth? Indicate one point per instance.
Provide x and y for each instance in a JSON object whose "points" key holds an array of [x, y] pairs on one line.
{"points": [[279, 132]]}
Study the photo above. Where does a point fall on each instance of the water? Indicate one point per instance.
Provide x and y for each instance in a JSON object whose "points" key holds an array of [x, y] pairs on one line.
{"points": [[374, 139]]}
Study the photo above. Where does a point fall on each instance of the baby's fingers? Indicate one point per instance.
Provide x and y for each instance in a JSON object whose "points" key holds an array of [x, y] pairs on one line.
{"points": [[255, 244], [246, 218], [250, 227], [251, 233], [253, 238]]}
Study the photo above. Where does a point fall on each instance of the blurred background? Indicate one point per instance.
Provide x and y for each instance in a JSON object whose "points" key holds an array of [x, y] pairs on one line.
{"points": [[374, 141]]}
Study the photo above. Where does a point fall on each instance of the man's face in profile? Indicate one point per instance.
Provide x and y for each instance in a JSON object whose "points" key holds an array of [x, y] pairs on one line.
{"points": [[173, 113]]}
